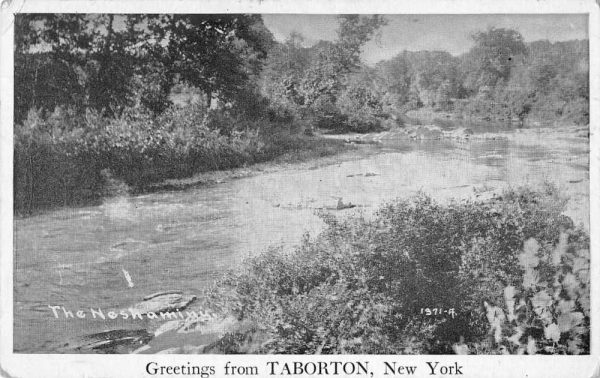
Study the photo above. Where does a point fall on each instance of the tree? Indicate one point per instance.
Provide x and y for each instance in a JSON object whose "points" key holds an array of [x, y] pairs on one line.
{"points": [[78, 60], [353, 32], [413, 78], [112, 63], [492, 57], [541, 75], [443, 95], [284, 70], [310, 79], [109, 62], [360, 102], [45, 76], [216, 53], [394, 77], [332, 62]]}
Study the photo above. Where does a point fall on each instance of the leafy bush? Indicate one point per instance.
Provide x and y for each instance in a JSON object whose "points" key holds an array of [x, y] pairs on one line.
{"points": [[49, 166], [66, 159], [361, 104], [361, 285], [548, 311], [325, 114], [139, 149]]}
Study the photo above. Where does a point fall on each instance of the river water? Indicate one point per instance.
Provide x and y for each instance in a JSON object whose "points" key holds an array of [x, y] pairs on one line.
{"points": [[82, 258]]}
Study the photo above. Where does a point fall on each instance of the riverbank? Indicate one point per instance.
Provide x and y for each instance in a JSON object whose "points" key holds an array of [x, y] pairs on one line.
{"points": [[429, 116], [313, 152], [256, 154]]}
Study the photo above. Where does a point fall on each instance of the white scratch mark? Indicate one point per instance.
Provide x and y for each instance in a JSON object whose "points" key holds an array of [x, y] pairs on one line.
{"points": [[127, 277]]}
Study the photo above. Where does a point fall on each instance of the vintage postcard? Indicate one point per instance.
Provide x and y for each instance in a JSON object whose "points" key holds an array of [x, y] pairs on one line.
{"points": [[299, 189]]}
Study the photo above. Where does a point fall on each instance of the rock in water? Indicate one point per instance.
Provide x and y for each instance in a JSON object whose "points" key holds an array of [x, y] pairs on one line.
{"points": [[163, 302], [157, 294], [115, 341], [341, 205]]}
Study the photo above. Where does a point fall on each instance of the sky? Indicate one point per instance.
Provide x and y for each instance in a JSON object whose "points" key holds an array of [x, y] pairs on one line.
{"points": [[451, 33]]}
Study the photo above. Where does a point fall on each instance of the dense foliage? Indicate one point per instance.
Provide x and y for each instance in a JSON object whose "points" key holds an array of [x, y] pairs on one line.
{"points": [[59, 162], [500, 78], [366, 286], [317, 82], [548, 311], [117, 61], [112, 62]]}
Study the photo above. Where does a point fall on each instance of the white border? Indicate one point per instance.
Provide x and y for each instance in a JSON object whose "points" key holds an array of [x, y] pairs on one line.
{"points": [[43, 365]]}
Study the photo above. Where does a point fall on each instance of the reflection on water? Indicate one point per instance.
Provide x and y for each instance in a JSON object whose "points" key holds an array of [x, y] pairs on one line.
{"points": [[184, 240]]}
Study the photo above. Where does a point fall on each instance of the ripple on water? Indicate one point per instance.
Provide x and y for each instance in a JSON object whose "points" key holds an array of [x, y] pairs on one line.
{"points": [[123, 249]]}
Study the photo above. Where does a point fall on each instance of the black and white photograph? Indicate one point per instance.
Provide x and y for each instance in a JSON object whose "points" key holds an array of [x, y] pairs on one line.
{"points": [[301, 184]]}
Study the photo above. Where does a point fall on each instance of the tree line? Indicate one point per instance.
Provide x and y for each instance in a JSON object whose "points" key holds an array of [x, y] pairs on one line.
{"points": [[109, 63], [112, 62], [500, 78]]}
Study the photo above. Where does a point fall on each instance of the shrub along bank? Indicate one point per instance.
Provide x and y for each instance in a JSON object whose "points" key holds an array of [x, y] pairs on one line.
{"points": [[63, 159], [514, 271]]}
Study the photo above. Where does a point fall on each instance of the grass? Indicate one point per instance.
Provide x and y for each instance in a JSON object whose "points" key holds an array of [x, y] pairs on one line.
{"points": [[295, 150]]}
